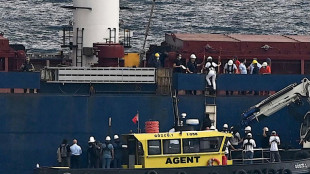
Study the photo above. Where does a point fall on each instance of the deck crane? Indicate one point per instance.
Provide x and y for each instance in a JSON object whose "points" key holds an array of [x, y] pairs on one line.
{"points": [[288, 95]]}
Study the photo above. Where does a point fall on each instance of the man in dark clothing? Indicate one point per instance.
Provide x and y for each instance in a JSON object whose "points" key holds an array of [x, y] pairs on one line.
{"points": [[156, 62], [27, 66], [63, 154], [192, 64], [178, 64], [93, 153], [265, 138], [117, 146]]}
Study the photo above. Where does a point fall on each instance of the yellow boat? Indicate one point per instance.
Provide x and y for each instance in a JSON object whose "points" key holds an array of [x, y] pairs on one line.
{"points": [[177, 149]]}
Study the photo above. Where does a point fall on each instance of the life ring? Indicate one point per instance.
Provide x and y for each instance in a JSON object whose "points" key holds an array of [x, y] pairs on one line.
{"points": [[210, 161], [287, 171], [257, 171], [241, 171], [151, 172]]}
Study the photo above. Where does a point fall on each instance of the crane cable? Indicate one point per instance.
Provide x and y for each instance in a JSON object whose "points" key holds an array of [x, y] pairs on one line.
{"points": [[143, 57]]}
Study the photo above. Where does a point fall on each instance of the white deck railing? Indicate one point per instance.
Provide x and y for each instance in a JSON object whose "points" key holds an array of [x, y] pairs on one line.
{"points": [[98, 75]]}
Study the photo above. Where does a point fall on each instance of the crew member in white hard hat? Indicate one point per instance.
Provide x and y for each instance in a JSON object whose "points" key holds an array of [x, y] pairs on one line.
{"points": [[225, 128], [274, 150], [248, 148], [117, 146], [92, 153], [27, 66], [211, 72], [230, 68], [108, 152], [265, 69], [192, 65]]}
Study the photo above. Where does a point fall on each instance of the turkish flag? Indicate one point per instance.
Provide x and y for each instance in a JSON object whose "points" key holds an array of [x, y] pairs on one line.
{"points": [[135, 119]]}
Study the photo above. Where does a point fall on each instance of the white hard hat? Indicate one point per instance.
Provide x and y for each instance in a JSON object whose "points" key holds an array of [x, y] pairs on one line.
{"points": [[209, 58], [116, 137], [230, 62], [108, 138], [91, 140], [212, 128], [248, 128], [193, 56], [249, 135], [266, 129], [264, 64], [273, 132], [225, 126]]}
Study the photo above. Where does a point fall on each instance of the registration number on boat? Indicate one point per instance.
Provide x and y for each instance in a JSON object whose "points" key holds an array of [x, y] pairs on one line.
{"points": [[300, 166]]}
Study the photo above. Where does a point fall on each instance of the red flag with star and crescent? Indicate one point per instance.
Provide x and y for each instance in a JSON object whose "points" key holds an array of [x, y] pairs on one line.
{"points": [[135, 119]]}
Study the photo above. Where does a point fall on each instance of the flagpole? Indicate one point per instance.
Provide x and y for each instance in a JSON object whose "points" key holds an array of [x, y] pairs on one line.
{"points": [[138, 122]]}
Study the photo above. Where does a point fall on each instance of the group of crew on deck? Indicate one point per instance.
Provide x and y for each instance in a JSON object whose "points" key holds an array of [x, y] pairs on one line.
{"points": [[208, 66], [247, 143], [99, 155]]}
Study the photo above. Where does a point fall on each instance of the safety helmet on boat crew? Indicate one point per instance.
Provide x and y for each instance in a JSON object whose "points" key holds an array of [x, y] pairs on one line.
{"points": [[156, 54], [248, 128], [116, 137], [266, 129], [91, 140], [209, 58], [212, 128], [273, 133], [225, 126], [108, 138], [249, 135], [254, 61], [264, 64], [193, 56], [230, 62]]}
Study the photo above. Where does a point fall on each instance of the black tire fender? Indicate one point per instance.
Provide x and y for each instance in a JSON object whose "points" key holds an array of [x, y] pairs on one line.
{"points": [[257, 171], [181, 172], [271, 171], [151, 172], [241, 171], [287, 171]]}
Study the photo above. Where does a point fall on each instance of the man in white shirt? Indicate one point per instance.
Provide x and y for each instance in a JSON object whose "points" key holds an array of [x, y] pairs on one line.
{"points": [[274, 142], [76, 151], [248, 148]]}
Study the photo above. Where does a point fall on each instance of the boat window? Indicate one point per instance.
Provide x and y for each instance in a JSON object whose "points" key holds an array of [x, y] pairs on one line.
{"points": [[154, 147], [210, 144], [191, 145], [172, 146]]}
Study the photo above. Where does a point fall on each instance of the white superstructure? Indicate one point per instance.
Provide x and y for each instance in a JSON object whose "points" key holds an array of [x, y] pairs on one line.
{"points": [[94, 21]]}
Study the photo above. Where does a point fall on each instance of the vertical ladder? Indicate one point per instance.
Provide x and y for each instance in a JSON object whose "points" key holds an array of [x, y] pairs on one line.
{"points": [[210, 103], [79, 47]]}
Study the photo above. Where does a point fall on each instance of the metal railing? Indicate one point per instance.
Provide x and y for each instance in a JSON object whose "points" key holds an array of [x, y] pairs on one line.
{"points": [[98, 75]]}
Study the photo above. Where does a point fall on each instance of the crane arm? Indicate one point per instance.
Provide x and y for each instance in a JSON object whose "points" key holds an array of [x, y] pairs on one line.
{"points": [[276, 102]]}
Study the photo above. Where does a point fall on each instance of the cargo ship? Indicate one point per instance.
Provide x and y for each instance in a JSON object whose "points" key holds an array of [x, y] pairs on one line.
{"points": [[99, 88]]}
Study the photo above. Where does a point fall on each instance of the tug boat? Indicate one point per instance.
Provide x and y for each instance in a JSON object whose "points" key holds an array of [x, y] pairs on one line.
{"points": [[186, 152]]}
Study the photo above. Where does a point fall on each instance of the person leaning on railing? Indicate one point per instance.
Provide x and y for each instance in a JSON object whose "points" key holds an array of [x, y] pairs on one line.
{"points": [[28, 67]]}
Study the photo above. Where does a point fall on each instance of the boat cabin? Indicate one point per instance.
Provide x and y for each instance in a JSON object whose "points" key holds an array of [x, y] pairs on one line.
{"points": [[177, 149]]}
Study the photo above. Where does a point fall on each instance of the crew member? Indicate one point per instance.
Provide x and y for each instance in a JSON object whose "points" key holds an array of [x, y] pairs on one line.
{"points": [[236, 138], [27, 66], [274, 150], [211, 72], [225, 128], [178, 66], [93, 153], [230, 68], [265, 138], [117, 146], [192, 65], [76, 151], [156, 63], [108, 152], [63, 154], [248, 148]]}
